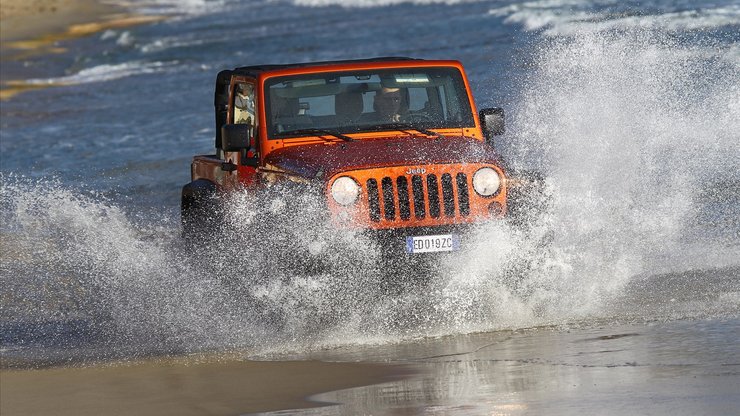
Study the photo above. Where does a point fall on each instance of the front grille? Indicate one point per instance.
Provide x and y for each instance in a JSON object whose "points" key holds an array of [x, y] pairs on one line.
{"points": [[422, 199]]}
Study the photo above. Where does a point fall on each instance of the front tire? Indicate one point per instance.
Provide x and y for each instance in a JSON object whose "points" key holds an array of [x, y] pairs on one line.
{"points": [[199, 213]]}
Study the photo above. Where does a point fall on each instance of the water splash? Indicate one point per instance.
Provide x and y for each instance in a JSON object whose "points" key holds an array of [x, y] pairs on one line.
{"points": [[635, 133]]}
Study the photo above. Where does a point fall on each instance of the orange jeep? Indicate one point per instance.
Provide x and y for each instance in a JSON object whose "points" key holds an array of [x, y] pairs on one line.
{"points": [[395, 145]]}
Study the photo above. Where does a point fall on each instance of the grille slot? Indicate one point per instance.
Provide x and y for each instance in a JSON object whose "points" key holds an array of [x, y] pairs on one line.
{"points": [[417, 185], [433, 193], [448, 195], [389, 201], [372, 200], [462, 194], [404, 207], [426, 195]]}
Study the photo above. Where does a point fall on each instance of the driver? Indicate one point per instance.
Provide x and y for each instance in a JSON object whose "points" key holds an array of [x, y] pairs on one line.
{"points": [[387, 105]]}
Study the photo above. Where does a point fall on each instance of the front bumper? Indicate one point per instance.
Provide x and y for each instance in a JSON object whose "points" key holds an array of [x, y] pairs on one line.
{"points": [[393, 242]]}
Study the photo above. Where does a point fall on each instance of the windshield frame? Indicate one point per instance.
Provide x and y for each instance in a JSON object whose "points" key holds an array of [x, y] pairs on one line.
{"points": [[466, 120]]}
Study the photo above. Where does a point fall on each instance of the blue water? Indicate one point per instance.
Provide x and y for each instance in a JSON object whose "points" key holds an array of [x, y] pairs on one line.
{"points": [[631, 109]]}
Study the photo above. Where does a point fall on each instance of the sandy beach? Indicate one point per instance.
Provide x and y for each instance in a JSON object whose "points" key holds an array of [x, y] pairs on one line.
{"points": [[31, 19], [34, 23]]}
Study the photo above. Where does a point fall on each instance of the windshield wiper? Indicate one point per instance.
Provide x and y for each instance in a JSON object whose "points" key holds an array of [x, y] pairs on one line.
{"points": [[404, 127], [322, 131]]}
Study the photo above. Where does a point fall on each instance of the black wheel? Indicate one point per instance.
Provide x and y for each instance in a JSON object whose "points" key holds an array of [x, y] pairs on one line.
{"points": [[199, 210]]}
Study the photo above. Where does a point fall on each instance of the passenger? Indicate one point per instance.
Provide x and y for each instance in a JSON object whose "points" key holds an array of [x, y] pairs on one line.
{"points": [[348, 107], [387, 105], [283, 107], [244, 104]]}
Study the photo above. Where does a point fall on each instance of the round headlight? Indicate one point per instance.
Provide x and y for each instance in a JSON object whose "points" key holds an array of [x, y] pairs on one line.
{"points": [[486, 181], [345, 190]]}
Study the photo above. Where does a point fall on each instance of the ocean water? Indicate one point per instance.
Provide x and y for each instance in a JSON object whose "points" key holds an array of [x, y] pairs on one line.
{"points": [[631, 110]]}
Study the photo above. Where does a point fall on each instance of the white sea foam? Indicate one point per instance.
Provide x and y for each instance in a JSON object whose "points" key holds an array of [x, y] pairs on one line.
{"points": [[563, 17], [107, 72], [177, 7], [374, 3], [568, 17], [165, 43]]}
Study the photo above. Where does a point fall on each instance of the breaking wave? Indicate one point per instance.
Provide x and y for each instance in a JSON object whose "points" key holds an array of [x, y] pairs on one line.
{"points": [[177, 7], [570, 17]]}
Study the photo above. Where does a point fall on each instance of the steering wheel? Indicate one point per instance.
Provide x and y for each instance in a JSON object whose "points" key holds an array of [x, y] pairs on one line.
{"points": [[418, 118]]}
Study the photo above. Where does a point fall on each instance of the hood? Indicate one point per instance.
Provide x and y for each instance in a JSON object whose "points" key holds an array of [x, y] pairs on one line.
{"points": [[327, 159]]}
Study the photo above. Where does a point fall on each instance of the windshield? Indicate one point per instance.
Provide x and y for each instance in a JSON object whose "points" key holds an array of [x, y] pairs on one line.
{"points": [[368, 100]]}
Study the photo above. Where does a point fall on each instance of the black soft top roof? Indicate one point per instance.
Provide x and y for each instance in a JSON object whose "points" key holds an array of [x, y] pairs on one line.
{"points": [[255, 70]]}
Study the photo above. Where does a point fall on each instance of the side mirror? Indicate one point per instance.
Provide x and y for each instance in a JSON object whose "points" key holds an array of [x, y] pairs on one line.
{"points": [[492, 122], [239, 138], [236, 137]]}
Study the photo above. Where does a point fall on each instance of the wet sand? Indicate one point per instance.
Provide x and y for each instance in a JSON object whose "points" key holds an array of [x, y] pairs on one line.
{"points": [[684, 367], [181, 387], [681, 368]]}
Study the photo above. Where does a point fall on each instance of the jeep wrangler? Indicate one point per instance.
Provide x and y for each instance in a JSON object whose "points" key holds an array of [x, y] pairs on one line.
{"points": [[395, 146]]}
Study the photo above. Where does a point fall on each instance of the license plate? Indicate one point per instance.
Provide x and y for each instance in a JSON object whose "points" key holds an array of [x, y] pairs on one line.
{"points": [[432, 243]]}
